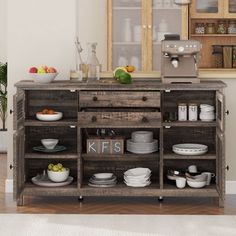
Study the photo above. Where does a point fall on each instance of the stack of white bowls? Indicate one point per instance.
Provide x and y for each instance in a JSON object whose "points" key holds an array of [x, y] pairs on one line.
{"points": [[142, 142], [137, 177], [207, 112]]}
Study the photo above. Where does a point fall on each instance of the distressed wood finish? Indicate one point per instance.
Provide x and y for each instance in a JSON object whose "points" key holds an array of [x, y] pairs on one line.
{"points": [[119, 99], [119, 119], [124, 110]]}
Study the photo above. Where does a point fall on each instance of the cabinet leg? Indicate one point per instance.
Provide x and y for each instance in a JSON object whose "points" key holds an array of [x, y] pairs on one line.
{"points": [[221, 202], [80, 198], [160, 199], [20, 201]]}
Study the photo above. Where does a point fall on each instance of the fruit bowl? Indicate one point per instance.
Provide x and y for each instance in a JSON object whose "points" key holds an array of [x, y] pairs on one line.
{"points": [[58, 176], [43, 78], [49, 117], [49, 143]]}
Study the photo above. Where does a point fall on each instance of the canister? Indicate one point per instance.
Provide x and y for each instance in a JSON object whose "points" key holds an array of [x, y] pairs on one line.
{"points": [[192, 112], [182, 111]]}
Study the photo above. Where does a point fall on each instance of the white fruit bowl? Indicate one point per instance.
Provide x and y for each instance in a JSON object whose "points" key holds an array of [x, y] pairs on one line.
{"points": [[196, 184], [49, 143], [58, 176], [49, 117], [43, 78]]}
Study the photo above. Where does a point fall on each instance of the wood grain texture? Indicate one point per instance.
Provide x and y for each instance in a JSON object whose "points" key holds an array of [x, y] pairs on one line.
{"points": [[119, 99]]}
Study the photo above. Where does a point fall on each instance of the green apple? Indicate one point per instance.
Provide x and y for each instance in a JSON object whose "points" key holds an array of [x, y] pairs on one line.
{"points": [[41, 70]]}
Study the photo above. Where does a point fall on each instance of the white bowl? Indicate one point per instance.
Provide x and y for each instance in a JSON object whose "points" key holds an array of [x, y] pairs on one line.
{"points": [[103, 175], [58, 176], [196, 184], [49, 143], [43, 78], [197, 178], [49, 117], [137, 172]]}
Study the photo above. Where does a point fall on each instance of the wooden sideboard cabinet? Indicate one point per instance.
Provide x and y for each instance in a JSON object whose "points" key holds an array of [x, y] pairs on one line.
{"points": [[106, 104]]}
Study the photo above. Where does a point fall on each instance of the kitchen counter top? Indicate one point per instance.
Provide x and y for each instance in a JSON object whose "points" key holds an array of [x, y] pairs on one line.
{"points": [[112, 84]]}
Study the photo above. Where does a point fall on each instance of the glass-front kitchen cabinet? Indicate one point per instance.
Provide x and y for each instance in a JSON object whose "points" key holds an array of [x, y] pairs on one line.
{"points": [[136, 28], [213, 8]]}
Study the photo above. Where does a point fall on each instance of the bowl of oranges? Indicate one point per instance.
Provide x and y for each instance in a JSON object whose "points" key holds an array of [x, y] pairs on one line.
{"points": [[49, 115]]}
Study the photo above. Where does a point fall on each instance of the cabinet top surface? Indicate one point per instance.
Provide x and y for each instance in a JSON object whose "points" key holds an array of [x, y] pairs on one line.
{"points": [[112, 84]]}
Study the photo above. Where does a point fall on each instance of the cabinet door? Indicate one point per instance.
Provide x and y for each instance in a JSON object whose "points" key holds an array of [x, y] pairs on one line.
{"points": [[18, 163], [207, 8], [126, 33], [220, 110], [220, 164], [230, 9], [166, 18], [19, 110]]}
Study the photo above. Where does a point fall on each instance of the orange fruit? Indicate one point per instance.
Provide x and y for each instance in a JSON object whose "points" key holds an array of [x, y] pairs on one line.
{"points": [[130, 68]]}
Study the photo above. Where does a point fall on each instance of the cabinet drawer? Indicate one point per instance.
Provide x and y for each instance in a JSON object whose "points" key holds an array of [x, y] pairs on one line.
{"points": [[119, 119], [119, 99]]}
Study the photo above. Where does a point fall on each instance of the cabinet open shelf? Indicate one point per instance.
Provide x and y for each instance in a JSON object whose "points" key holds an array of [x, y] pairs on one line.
{"points": [[64, 122], [121, 189], [122, 157], [67, 155], [34, 190], [213, 35], [173, 156], [189, 124], [209, 191]]}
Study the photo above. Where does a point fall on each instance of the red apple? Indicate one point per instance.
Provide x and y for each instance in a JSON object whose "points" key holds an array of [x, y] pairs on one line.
{"points": [[51, 70], [45, 68], [33, 70]]}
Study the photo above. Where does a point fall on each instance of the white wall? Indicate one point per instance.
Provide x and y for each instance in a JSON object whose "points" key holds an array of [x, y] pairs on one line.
{"points": [[3, 30], [40, 32], [45, 35]]}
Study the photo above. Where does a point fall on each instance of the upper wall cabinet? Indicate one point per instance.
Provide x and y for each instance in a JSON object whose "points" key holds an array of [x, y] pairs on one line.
{"points": [[213, 9], [136, 28]]}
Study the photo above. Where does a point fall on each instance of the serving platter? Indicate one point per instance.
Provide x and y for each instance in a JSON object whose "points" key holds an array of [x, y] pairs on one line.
{"points": [[44, 181], [43, 149], [190, 149]]}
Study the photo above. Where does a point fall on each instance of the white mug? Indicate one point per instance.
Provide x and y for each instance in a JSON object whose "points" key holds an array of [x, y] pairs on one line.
{"points": [[180, 182], [192, 169], [209, 176]]}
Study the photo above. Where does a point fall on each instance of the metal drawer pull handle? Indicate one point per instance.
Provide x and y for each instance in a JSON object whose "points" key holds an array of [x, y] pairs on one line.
{"points": [[11, 167], [144, 99], [227, 167], [145, 119], [94, 119], [227, 112], [95, 99], [11, 111]]}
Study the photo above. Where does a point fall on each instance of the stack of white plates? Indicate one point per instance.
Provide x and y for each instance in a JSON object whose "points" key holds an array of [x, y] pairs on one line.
{"points": [[190, 149], [207, 112], [103, 180], [137, 177], [142, 142]]}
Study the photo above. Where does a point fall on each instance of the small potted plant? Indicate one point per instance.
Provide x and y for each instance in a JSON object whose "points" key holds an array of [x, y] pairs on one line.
{"points": [[3, 106]]}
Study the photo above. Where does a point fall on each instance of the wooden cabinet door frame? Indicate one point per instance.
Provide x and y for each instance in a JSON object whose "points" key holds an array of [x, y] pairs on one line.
{"points": [[220, 110], [195, 14], [227, 14], [18, 165], [18, 110]]}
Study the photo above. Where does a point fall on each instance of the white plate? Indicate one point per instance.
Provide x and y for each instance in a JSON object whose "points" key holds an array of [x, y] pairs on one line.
{"points": [[45, 182], [137, 172], [101, 186], [189, 149], [142, 137], [138, 185], [47, 117], [103, 176]]}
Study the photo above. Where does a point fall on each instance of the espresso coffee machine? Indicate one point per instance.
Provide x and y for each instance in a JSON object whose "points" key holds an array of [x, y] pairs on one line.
{"points": [[180, 61]]}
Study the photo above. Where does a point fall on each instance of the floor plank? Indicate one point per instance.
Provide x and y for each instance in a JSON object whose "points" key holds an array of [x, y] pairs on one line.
{"points": [[115, 205]]}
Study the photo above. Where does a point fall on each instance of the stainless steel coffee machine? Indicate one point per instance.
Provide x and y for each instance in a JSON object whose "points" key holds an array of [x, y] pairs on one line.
{"points": [[180, 61]]}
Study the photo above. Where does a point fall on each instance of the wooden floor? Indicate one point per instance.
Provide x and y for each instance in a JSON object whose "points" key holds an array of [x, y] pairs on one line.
{"points": [[92, 205]]}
